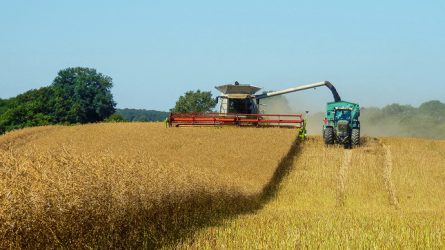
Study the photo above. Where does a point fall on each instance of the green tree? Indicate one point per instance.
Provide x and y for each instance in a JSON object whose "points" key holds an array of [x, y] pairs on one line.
{"points": [[77, 95], [435, 108], [82, 95], [142, 114], [195, 102], [28, 109], [115, 118], [397, 109], [4, 105]]}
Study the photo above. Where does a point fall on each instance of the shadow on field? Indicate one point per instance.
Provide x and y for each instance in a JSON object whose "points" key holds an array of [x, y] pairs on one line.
{"points": [[176, 224], [109, 223]]}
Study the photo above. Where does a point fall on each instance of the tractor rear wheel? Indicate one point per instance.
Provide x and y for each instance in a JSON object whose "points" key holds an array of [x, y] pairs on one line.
{"points": [[328, 135], [355, 136]]}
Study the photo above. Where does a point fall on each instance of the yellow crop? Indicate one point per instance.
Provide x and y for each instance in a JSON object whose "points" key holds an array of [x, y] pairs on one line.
{"points": [[387, 194], [129, 185], [142, 185]]}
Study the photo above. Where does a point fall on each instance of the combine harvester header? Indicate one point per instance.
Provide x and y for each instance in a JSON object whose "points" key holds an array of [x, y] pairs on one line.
{"points": [[239, 106], [242, 120]]}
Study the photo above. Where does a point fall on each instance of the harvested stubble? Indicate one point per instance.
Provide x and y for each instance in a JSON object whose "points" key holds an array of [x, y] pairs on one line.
{"points": [[384, 205], [129, 185]]}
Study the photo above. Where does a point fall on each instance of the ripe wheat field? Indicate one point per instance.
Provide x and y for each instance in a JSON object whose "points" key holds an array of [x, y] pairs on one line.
{"points": [[141, 185], [129, 185]]}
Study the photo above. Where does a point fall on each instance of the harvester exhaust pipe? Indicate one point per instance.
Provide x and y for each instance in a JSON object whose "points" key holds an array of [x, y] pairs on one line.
{"points": [[300, 88]]}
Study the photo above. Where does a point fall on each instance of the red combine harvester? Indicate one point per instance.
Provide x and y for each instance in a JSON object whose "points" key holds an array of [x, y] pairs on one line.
{"points": [[239, 106]]}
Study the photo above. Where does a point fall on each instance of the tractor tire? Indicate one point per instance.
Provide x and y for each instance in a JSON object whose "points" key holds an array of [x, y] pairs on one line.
{"points": [[328, 135], [355, 137]]}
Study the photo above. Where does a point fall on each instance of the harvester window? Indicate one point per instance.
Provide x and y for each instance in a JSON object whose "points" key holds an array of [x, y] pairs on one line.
{"points": [[240, 106]]}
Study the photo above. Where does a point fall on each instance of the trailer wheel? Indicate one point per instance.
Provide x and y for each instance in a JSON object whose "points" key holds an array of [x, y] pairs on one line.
{"points": [[355, 136], [328, 135]]}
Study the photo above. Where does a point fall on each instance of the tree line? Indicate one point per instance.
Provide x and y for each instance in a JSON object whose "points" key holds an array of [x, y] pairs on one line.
{"points": [[82, 95], [142, 115], [77, 95], [427, 120]]}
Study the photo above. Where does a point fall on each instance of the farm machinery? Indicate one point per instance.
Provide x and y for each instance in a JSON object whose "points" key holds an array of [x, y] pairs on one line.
{"points": [[341, 124], [239, 105]]}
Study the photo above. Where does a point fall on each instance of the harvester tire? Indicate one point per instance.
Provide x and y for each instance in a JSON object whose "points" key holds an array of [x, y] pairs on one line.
{"points": [[355, 137], [328, 135]]}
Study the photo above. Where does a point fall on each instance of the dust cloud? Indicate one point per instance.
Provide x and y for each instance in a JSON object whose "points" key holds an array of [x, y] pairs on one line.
{"points": [[426, 121], [376, 126], [281, 105], [276, 105], [368, 128]]}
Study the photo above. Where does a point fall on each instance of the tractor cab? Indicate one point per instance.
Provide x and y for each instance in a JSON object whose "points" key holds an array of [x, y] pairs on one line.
{"points": [[342, 121]]}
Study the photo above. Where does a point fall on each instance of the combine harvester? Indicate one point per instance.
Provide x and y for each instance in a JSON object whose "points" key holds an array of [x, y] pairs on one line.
{"points": [[240, 106]]}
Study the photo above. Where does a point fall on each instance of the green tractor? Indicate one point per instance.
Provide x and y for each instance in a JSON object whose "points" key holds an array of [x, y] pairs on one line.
{"points": [[341, 124]]}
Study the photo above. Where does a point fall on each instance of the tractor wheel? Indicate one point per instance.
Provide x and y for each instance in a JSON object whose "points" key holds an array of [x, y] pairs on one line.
{"points": [[355, 137], [328, 135]]}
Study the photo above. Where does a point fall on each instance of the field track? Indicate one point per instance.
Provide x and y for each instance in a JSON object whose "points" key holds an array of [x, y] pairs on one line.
{"points": [[338, 199], [342, 177], [388, 176]]}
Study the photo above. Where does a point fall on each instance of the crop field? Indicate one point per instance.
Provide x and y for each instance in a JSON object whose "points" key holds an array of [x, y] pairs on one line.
{"points": [[129, 185], [141, 185], [386, 194]]}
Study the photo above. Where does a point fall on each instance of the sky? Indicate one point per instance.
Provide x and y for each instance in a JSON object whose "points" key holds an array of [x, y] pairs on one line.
{"points": [[374, 52]]}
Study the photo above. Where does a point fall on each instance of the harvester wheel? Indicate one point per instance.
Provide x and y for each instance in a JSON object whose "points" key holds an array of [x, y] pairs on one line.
{"points": [[355, 137], [328, 136]]}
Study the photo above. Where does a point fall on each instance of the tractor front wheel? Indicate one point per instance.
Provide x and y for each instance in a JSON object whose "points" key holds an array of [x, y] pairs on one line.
{"points": [[355, 137], [328, 135]]}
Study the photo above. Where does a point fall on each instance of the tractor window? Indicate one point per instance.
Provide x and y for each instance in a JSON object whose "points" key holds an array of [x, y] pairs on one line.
{"points": [[343, 114]]}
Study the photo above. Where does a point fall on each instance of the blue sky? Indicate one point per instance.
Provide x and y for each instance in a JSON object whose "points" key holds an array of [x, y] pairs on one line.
{"points": [[375, 52]]}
